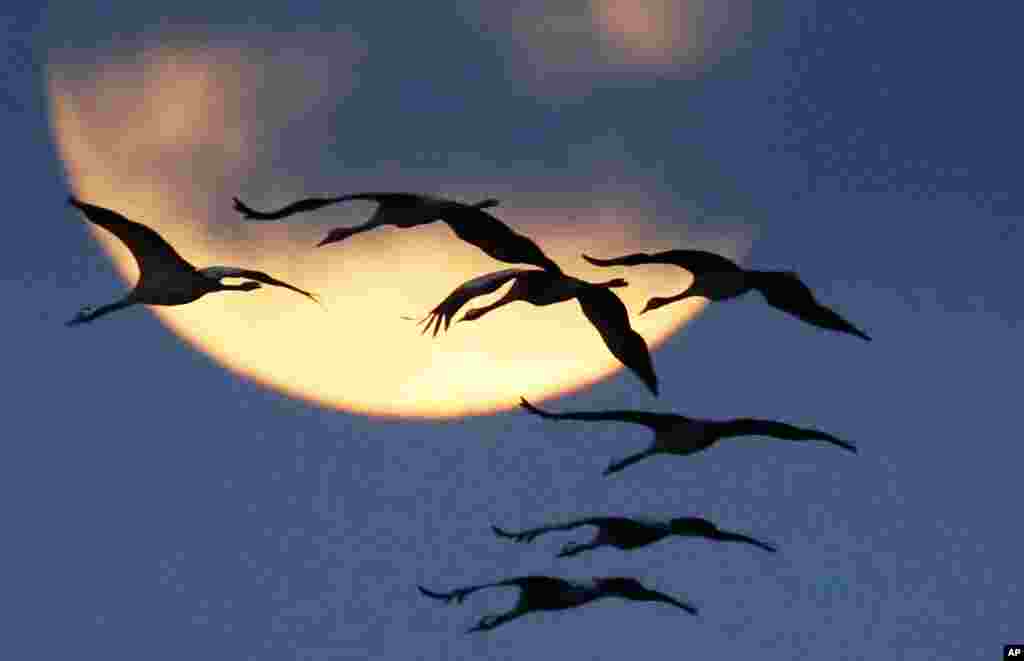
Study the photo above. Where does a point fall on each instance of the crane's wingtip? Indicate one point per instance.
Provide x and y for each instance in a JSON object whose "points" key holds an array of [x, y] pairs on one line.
{"points": [[845, 445], [529, 407]]}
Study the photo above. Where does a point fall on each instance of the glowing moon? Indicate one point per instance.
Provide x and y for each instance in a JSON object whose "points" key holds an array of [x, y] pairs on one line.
{"points": [[162, 139]]}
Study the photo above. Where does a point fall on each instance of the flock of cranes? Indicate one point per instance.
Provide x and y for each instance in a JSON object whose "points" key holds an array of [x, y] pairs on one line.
{"points": [[165, 278]]}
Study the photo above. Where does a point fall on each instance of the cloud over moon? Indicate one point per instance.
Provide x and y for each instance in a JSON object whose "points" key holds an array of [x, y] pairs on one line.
{"points": [[174, 115], [569, 46]]}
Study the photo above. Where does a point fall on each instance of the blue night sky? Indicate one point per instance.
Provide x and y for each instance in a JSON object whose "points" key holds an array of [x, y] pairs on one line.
{"points": [[160, 506]]}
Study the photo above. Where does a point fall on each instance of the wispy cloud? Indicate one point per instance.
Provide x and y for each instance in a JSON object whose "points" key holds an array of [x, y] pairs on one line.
{"points": [[568, 47], [169, 113]]}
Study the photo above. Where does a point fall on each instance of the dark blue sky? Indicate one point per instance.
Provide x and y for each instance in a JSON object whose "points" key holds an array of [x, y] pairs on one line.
{"points": [[161, 507]]}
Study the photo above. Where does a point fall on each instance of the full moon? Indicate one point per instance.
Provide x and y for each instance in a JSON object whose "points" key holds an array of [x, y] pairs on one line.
{"points": [[169, 134]]}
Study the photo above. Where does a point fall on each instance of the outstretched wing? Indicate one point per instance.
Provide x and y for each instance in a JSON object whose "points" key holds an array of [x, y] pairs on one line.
{"points": [[645, 418], [474, 225], [609, 316], [218, 272], [784, 290], [694, 261], [314, 203], [776, 429], [464, 293], [153, 255]]}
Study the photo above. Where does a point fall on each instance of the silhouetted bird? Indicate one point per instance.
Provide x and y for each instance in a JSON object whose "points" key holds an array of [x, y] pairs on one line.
{"points": [[628, 533], [545, 593], [165, 278], [718, 278], [469, 222], [677, 434], [601, 306]]}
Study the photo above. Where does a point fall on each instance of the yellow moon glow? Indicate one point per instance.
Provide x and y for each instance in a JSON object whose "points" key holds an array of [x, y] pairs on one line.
{"points": [[162, 137]]}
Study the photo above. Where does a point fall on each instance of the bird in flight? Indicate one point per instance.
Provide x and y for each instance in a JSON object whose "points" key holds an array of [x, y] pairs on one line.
{"points": [[600, 305], [627, 533], [718, 278], [677, 434], [546, 593], [469, 222], [165, 278]]}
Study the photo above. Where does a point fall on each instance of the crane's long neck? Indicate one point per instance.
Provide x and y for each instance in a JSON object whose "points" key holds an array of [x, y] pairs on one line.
{"points": [[686, 293], [242, 286], [763, 280]]}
